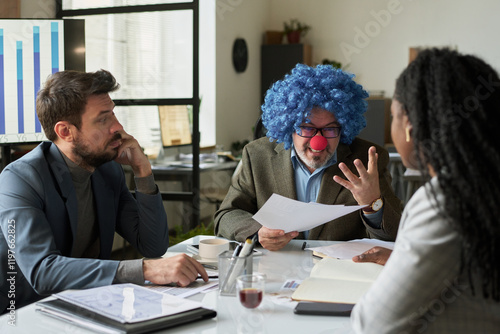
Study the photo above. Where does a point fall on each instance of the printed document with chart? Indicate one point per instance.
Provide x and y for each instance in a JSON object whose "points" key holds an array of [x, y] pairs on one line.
{"points": [[286, 214]]}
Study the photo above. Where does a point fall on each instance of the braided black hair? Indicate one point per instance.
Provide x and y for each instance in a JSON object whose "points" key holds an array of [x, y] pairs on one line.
{"points": [[453, 103]]}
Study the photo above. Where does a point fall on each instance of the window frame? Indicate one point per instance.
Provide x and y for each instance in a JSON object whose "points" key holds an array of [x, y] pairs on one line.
{"points": [[192, 196]]}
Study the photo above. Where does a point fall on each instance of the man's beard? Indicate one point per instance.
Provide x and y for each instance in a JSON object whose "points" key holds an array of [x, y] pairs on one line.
{"points": [[316, 161], [93, 159]]}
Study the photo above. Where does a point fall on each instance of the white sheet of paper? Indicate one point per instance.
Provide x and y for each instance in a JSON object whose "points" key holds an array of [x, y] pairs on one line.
{"points": [[346, 250], [291, 215]]}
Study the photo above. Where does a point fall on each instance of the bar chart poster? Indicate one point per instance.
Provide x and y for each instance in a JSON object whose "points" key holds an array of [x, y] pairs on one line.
{"points": [[30, 50]]}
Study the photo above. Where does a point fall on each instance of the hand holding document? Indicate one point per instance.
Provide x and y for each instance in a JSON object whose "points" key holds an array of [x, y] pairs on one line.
{"points": [[291, 215], [347, 250]]}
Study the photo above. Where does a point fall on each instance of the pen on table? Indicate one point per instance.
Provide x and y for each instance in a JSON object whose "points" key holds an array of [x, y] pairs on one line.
{"points": [[209, 277], [304, 245], [208, 266]]}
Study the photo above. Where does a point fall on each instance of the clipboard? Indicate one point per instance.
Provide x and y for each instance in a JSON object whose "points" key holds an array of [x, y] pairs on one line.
{"points": [[95, 321]]}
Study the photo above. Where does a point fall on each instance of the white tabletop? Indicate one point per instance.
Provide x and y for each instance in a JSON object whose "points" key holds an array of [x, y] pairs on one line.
{"points": [[272, 316]]}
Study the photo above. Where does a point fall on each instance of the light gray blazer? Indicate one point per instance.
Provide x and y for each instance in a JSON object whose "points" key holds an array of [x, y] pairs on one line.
{"points": [[421, 289]]}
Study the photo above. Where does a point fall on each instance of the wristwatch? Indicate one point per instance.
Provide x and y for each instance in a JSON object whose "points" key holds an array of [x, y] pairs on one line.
{"points": [[375, 206]]}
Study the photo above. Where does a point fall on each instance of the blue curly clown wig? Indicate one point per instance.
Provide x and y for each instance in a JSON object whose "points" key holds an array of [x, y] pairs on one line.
{"points": [[289, 102]]}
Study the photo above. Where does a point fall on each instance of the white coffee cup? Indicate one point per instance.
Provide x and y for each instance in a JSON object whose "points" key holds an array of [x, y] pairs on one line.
{"points": [[211, 248]]}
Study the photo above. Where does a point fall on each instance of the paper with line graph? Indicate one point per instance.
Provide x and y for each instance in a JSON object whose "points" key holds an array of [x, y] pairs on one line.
{"points": [[286, 214]]}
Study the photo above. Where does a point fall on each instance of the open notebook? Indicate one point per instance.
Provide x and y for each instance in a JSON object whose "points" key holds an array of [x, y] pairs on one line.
{"points": [[337, 281]]}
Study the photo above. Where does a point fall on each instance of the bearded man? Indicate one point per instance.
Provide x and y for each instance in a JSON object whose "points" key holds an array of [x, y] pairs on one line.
{"points": [[312, 117], [61, 204]]}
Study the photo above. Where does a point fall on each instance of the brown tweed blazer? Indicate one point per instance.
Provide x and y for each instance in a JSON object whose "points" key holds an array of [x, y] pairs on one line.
{"points": [[267, 169]]}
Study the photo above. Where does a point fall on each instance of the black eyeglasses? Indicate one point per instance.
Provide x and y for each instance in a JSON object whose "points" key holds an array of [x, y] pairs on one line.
{"points": [[309, 131]]}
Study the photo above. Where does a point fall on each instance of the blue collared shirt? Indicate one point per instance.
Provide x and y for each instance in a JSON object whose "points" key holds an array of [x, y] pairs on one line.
{"points": [[308, 184]]}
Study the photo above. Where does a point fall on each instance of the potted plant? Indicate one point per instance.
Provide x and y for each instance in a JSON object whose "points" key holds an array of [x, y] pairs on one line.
{"points": [[333, 63], [294, 29]]}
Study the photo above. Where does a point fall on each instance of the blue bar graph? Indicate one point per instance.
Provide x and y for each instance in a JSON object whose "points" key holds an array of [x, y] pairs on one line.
{"points": [[2, 90], [20, 92], [36, 68], [54, 39]]}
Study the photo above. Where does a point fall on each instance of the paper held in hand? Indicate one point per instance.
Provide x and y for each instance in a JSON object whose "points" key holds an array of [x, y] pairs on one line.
{"points": [[291, 215]]}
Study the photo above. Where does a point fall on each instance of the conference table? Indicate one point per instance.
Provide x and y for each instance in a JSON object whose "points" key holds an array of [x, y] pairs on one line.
{"points": [[274, 315]]}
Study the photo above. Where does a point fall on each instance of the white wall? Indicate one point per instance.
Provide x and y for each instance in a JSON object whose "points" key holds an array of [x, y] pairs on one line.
{"points": [[379, 57], [238, 94], [470, 26], [207, 73], [40, 9]]}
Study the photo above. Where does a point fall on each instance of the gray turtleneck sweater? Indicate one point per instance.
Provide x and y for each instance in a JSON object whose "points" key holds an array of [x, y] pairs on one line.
{"points": [[87, 242]]}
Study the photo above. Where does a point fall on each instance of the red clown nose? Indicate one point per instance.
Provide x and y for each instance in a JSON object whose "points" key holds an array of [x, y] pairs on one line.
{"points": [[318, 143]]}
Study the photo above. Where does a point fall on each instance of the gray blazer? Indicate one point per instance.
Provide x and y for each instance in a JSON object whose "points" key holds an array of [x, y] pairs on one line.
{"points": [[267, 169], [38, 205]]}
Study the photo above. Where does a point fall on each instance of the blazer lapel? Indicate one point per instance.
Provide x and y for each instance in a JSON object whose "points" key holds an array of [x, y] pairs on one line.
{"points": [[284, 177], [64, 181], [329, 189], [105, 212]]}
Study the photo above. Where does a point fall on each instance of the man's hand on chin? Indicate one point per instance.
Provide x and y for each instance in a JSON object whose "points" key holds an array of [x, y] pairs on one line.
{"points": [[130, 153]]}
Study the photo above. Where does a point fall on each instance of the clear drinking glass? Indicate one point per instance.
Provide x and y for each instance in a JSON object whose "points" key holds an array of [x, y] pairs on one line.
{"points": [[250, 289]]}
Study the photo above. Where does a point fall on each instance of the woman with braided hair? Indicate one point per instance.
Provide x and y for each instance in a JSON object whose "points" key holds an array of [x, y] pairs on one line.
{"points": [[444, 273]]}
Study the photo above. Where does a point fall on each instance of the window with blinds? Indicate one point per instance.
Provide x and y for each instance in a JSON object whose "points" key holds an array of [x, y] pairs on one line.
{"points": [[151, 55]]}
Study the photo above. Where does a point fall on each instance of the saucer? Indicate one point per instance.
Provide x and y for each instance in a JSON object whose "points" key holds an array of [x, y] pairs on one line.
{"points": [[205, 261]]}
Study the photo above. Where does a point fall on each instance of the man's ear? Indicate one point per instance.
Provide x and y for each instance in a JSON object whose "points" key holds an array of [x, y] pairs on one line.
{"points": [[64, 130]]}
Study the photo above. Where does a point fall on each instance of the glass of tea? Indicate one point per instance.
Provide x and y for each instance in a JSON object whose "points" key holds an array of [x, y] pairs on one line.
{"points": [[250, 289]]}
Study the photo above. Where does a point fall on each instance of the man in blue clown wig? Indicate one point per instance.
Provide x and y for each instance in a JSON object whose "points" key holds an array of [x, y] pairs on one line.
{"points": [[312, 154]]}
